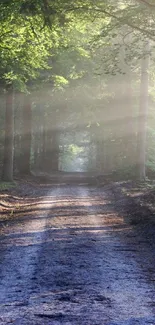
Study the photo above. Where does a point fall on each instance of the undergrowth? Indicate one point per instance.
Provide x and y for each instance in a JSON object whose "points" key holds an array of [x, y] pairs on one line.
{"points": [[6, 185]]}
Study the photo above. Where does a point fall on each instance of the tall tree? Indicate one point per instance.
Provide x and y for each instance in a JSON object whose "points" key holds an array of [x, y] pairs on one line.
{"points": [[25, 163], [24, 53], [9, 138], [143, 112]]}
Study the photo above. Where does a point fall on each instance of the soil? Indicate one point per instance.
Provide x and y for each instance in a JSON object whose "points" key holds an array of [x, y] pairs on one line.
{"points": [[77, 254]]}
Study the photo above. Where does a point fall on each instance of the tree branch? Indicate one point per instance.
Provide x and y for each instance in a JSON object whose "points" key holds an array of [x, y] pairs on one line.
{"points": [[148, 4], [123, 20]]}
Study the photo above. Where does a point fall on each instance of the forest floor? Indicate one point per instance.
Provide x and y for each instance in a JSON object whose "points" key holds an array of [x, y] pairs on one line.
{"points": [[76, 254]]}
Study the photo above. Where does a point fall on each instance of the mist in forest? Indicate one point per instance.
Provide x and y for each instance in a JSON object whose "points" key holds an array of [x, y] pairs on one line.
{"points": [[81, 97]]}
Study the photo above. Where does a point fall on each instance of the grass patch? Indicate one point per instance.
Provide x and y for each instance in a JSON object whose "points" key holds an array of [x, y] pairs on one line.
{"points": [[4, 186]]}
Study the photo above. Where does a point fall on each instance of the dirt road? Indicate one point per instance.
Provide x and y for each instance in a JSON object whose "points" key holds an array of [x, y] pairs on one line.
{"points": [[71, 258]]}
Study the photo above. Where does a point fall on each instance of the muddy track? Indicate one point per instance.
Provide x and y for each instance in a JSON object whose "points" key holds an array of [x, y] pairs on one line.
{"points": [[79, 261]]}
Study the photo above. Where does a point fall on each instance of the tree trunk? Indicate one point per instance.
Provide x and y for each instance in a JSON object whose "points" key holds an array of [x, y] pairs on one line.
{"points": [[51, 162], [36, 162], [55, 152], [42, 141], [143, 113], [128, 132], [7, 174], [25, 167], [129, 126], [18, 101]]}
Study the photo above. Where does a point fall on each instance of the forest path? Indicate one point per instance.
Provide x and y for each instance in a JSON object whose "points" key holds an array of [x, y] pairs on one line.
{"points": [[74, 259]]}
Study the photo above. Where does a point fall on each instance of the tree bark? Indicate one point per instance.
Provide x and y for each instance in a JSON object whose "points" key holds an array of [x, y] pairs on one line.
{"points": [[55, 151], [7, 174], [18, 101], [51, 161], [25, 167], [143, 114]]}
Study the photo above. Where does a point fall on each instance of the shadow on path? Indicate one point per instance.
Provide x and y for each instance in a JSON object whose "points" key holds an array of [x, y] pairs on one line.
{"points": [[78, 263]]}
